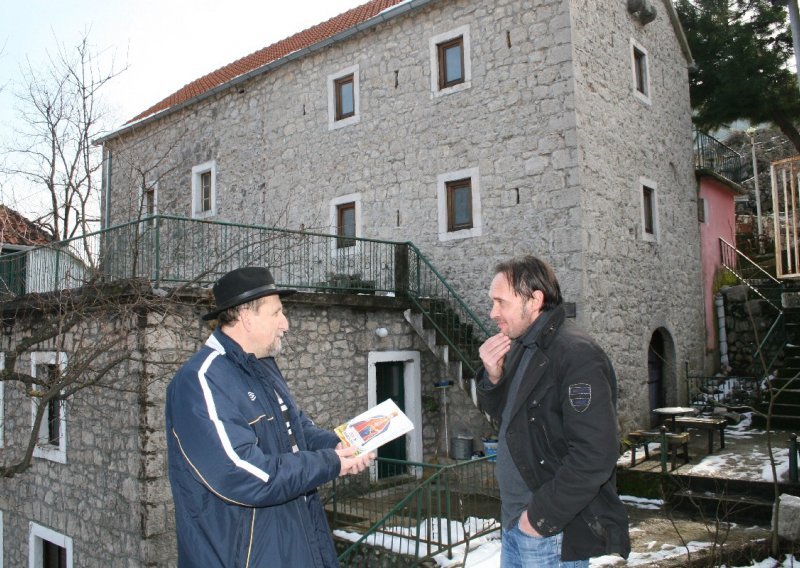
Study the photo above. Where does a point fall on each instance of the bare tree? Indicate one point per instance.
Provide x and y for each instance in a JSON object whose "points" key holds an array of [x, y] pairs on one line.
{"points": [[60, 113]]}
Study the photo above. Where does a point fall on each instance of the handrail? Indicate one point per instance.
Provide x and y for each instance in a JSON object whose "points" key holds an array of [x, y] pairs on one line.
{"points": [[770, 346], [415, 515], [730, 260]]}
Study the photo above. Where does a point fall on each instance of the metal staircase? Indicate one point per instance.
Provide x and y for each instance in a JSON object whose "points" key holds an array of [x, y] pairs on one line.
{"points": [[448, 327], [777, 356]]}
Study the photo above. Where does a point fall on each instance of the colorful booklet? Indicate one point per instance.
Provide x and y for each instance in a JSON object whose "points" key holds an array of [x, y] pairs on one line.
{"points": [[372, 429]]}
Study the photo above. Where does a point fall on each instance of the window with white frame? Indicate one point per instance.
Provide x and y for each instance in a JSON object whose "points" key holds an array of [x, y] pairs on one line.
{"points": [[148, 200], [2, 411], [451, 67], [48, 548], [204, 190], [649, 197], [641, 72], [343, 98], [345, 215], [51, 443], [459, 204]]}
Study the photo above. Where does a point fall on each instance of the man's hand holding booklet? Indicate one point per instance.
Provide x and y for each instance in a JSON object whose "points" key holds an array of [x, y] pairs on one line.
{"points": [[372, 429]]}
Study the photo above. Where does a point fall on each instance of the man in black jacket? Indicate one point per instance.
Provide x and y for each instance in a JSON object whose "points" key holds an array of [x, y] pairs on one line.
{"points": [[553, 391]]}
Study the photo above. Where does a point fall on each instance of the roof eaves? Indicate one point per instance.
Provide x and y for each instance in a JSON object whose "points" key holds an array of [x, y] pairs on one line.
{"points": [[679, 33], [379, 18]]}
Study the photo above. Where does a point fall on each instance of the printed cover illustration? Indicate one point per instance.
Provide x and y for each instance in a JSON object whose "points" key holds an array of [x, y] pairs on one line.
{"points": [[372, 429]]}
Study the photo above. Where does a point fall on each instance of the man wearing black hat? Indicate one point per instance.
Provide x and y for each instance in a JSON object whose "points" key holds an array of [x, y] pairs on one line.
{"points": [[244, 462]]}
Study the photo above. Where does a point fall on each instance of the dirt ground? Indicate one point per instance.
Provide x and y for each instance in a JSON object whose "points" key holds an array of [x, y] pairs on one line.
{"points": [[659, 541]]}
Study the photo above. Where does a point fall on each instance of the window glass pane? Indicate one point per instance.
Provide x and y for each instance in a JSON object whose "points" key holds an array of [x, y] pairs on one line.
{"points": [[640, 69], [459, 205], [346, 97], [53, 422], [205, 181], [647, 194], [346, 225], [462, 206], [345, 101], [453, 72], [348, 228]]}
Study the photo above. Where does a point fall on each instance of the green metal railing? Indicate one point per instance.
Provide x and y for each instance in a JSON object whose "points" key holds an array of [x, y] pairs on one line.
{"points": [[414, 512], [172, 251]]}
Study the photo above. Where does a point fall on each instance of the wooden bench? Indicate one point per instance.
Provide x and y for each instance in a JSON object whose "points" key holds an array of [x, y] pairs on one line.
{"points": [[675, 442], [708, 423]]}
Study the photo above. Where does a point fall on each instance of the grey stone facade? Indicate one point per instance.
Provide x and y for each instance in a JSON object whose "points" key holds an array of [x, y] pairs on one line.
{"points": [[112, 496], [549, 127]]}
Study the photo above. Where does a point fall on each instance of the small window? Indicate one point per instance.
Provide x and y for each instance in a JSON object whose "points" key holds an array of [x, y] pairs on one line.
{"points": [[149, 205], [451, 70], [640, 70], [459, 204], [51, 441], [451, 62], [346, 225], [204, 190], [48, 549], [345, 103], [641, 73], [701, 210], [345, 219], [649, 197], [343, 98]]}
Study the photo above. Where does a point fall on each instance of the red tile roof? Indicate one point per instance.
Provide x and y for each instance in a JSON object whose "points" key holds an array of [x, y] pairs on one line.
{"points": [[17, 230], [271, 53]]}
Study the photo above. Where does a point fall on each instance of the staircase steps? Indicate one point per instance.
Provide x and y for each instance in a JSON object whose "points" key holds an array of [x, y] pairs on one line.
{"points": [[730, 500]]}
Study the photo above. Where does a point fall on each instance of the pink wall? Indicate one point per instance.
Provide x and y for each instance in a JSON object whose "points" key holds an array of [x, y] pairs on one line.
{"points": [[720, 221]]}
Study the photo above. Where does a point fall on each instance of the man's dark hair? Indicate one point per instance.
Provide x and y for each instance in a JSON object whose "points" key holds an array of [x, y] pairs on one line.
{"points": [[230, 315], [526, 274]]}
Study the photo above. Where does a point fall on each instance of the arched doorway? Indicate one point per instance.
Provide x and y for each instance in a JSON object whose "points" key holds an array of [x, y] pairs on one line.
{"points": [[656, 370]]}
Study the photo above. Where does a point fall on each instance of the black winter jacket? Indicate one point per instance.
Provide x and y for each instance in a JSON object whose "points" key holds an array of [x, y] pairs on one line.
{"points": [[563, 437]]}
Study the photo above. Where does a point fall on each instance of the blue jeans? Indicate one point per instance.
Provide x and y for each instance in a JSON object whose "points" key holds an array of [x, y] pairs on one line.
{"points": [[520, 550]]}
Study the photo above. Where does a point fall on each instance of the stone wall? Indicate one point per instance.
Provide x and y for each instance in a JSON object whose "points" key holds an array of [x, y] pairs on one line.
{"points": [[112, 497], [748, 318]]}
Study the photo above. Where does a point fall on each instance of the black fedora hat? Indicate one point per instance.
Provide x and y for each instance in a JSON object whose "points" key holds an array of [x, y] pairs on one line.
{"points": [[243, 285]]}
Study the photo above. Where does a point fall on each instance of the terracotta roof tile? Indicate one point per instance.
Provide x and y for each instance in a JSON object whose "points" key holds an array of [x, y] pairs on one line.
{"points": [[17, 230], [298, 41]]}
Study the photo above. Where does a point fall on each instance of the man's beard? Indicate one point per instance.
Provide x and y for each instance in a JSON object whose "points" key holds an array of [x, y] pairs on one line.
{"points": [[274, 348]]}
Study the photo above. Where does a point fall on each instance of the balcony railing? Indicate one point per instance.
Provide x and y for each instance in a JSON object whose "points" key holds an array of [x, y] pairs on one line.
{"points": [[172, 251], [413, 512], [711, 154]]}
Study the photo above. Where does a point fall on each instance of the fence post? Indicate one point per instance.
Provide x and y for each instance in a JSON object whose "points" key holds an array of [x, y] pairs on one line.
{"points": [[793, 458], [157, 275], [401, 268]]}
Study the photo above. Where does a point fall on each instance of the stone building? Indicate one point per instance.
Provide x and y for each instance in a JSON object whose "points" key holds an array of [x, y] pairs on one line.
{"points": [[475, 129], [565, 133], [97, 491]]}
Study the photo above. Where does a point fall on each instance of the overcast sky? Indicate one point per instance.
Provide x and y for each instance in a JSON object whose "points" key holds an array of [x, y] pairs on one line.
{"points": [[164, 43]]}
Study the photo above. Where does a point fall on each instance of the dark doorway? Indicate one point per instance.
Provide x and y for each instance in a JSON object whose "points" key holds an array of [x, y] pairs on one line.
{"points": [[389, 384], [655, 375]]}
